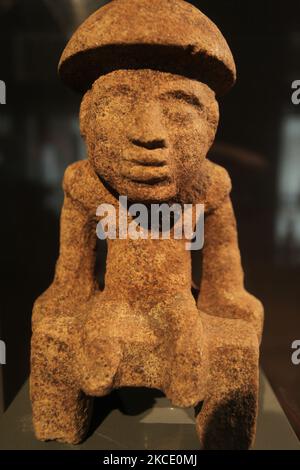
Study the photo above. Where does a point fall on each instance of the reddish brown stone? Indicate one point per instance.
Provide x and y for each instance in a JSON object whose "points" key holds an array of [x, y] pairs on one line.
{"points": [[147, 132], [168, 34]]}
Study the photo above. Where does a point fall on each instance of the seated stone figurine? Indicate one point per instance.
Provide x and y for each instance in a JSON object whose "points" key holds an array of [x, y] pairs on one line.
{"points": [[149, 72]]}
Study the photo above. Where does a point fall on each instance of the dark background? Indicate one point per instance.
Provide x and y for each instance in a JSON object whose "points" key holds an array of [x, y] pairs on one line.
{"points": [[258, 142]]}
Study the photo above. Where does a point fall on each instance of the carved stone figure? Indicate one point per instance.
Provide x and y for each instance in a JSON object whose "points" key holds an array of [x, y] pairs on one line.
{"points": [[150, 72]]}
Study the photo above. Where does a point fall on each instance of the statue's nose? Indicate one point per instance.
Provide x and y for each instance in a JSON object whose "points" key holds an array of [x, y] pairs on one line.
{"points": [[148, 131]]}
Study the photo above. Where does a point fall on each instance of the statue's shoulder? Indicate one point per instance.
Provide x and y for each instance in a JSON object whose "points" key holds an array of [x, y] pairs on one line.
{"points": [[77, 174], [218, 186], [83, 186]]}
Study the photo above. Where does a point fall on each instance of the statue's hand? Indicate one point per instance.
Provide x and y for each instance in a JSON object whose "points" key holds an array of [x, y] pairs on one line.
{"points": [[240, 305], [59, 299]]}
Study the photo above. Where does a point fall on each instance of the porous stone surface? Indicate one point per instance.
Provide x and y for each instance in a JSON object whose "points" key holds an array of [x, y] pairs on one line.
{"points": [[147, 133], [171, 35]]}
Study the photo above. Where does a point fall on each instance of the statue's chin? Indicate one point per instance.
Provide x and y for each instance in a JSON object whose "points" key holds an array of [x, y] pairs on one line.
{"points": [[143, 192], [146, 192]]}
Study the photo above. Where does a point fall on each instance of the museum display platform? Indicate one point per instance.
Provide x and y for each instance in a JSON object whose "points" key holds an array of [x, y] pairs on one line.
{"points": [[134, 419]]}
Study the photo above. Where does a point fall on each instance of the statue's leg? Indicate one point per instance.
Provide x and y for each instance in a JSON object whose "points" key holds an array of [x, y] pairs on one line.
{"points": [[186, 375], [101, 345], [227, 419], [60, 410]]}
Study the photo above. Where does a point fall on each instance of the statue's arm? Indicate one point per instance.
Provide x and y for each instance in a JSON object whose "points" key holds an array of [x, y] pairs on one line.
{"points": [[74, 279], [222, 291], [75, 265]]}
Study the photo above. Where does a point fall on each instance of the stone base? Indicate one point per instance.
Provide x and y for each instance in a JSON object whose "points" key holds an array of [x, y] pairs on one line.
{"points": [[224, 420]]}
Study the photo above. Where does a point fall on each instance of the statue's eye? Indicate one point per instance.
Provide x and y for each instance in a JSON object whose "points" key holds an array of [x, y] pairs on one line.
{"points": [[180, 106], [118, 104], [179, 112], [187, 98]]}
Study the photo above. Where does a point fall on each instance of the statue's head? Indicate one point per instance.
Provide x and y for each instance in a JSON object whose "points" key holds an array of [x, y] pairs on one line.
{"points": [[150, 71], [148, 132]]}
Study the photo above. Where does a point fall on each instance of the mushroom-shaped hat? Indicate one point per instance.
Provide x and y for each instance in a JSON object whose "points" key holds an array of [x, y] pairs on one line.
{"points": [[167, 35]]}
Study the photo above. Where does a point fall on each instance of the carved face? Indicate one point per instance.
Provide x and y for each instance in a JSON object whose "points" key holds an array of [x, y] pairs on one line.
{"points": [[148, 132]]}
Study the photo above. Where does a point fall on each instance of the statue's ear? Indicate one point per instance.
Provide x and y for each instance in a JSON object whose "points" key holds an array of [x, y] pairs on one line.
{"points": [[84, 112]]}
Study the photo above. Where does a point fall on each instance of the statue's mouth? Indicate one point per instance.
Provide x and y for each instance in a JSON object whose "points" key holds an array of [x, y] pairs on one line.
{"points": [[155, 181], [150, 163], [147, 172]]}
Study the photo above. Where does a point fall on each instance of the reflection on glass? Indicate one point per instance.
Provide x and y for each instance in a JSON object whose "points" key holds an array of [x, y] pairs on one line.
{"points": [[287, 224]]}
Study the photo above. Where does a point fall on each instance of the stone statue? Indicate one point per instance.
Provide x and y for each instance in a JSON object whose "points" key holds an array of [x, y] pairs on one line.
{"points": [[149, 72]]}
